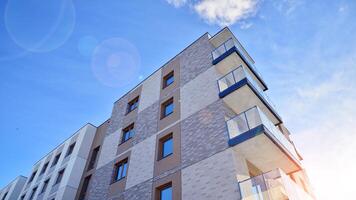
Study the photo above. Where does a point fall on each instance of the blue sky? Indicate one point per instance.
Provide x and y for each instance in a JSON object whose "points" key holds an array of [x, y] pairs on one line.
{"points": [[63, 63]]}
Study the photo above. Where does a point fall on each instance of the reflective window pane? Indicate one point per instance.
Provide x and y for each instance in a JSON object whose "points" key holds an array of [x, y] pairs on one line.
{"points": [[167, 147], [166, 193]]}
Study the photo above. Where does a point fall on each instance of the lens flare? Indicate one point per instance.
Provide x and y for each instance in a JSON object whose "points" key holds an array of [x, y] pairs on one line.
{"points": [[115, 62], [39, 26]]}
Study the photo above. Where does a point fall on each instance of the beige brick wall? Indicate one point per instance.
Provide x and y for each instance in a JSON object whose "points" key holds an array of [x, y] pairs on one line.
{"points": [[150, 91], [141, 162], [199, 92], [109, 148], [211, 179]]}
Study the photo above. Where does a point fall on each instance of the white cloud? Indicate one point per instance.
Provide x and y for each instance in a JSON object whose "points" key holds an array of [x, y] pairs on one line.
{"points": [[287, 6], [221, 12], [177, 3], [245, 25], [225, 12]]}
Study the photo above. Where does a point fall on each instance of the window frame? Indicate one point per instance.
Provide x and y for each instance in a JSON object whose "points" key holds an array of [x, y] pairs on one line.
{"points": [[5, 195], [56, 159], [44, 168], [164, 106], [122, 164], [45, 185], [70, 149], [60, 175], [163, 187], [130, 129], [33, 192], [93, 158], [134, 102], [162, 141], [166, 78], [32, 176], [85, 186]]}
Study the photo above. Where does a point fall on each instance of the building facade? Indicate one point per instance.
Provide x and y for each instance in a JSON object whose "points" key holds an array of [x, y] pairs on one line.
{"points": [[13, 189], [200, 127]]}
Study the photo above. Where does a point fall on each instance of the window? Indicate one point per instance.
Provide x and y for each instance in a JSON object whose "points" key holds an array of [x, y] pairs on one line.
{"points": [[56, 159], [166, 146], [132, 105], [127, 133], [167, 108], [70, 149], [168, 79], [33, 193], [3, 198], [32, 176], [84, 187], [165, 192], [44, 168], [44, 187], [59, 177], [93, 157], [23, 197], [120, 170]]}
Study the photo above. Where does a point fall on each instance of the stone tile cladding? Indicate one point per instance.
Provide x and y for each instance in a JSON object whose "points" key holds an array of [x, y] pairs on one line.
{"points": [[195, 59], [100, 181], [117, 115], [204, 134], [146, 124]]}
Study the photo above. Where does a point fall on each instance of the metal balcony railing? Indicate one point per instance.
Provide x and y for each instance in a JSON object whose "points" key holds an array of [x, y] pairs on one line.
{"points": [[229, 44], [237, 75], [253, 118], [273, 185]]}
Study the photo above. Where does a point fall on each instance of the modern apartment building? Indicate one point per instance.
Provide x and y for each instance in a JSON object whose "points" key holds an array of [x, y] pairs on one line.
{"points": [[200, 127], [13, 189]]}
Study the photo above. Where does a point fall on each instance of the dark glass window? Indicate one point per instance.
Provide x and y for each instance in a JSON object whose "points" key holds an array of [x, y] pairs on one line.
{"points": [[23, 197], [84, 188], [132, 105], [121, 170], [165, 193], [93, 157], [33, 193], [32, 176], [56, 159], [166, 146], [44, 187], [168, 79], [3, 198], [127, 133], [70, 149], [167, 108], [59, 177], [44, 168]]}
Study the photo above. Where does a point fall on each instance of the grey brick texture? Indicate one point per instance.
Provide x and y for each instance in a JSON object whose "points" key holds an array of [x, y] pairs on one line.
{"points": [[117, 115], [195, 59], [204, 134], [146, 124], [100, 182], [141, 191]]}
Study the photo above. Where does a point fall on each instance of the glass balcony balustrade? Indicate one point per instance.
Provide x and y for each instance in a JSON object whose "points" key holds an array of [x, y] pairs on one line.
{"points": [[253, 118], [239, 74], [230, 44], [273, 185]]}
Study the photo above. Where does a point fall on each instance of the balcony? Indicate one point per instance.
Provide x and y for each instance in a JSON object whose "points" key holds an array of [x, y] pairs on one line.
{"points": [[231, 53], [273, 185], [254, 136], [240, 91]]}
